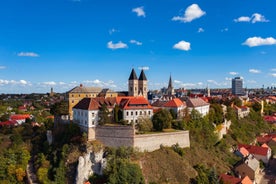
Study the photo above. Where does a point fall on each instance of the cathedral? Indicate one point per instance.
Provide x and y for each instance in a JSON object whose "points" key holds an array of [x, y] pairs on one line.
{"points": [[138, 86]]}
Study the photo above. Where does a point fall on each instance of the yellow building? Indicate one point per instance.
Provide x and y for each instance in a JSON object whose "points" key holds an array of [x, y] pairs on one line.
{"points": [[79, 92]]}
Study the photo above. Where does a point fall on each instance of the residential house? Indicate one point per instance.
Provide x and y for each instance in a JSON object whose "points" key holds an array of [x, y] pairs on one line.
{"points": [[242, 111], [134, 107], [270, 119], [20, 118], [248, 166], [260, 152], [176, 105], [198, 104], [228, 179]]}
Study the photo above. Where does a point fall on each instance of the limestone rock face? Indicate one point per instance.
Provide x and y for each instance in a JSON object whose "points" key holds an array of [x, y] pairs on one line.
{"points": [[90, 163]]}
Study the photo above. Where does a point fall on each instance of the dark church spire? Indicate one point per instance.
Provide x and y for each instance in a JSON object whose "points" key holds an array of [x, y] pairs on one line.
{"points": [[142, 75], [133, 75], [170, 86]]}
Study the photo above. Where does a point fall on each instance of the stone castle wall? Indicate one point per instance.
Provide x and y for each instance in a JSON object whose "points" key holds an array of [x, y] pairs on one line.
{"points": [[151, 142], [115, 136]]}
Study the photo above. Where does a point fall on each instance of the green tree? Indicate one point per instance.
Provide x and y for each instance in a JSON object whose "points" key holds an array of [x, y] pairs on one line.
{"points": [[104, 115], [162, 119], [256, 107], [60, 108], [144, 124], [216, 114]]}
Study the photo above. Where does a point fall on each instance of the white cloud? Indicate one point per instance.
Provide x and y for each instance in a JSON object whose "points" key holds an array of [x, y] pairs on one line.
{"points": [[224, 29], [255, 17], [191, 13], [140, 11], [200, 30], [273, 69], [251, 81], [27, 54], [243, 19], [135, 42], [258, 41], [254, 71], [2, 67], [182, 45], [228, 78], [273, 74], [119, 45], [49, 83], [143, 68], [177, 81], [113, 30], [14, 82], [233, 73]]}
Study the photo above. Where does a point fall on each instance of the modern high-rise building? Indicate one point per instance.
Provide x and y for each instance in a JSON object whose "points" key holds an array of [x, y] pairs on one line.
{"points": [[237, 84]]}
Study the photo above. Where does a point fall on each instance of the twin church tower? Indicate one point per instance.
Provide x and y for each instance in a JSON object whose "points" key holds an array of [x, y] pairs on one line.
{"points": [[138, 86]]}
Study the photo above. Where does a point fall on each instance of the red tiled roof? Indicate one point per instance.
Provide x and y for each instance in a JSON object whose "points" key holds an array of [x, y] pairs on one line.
{"points": [[246, 180], [229, 179], [176, 102], [270, 119], [8, 123], [135, 103], [94, 103], [256, 150], [19, 116], [264, 139], [196, 102], [244, 151]]}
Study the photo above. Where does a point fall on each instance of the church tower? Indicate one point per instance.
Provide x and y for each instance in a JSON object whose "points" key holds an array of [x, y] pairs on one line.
{"points": [[143, 85], [170, 90], [133, 84]]}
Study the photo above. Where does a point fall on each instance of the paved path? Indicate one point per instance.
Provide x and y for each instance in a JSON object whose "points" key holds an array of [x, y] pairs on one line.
{"points": [[32, 178]]}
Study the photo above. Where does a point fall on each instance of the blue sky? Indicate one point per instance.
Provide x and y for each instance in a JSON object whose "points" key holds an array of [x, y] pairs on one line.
{"points": [[62, 43]]}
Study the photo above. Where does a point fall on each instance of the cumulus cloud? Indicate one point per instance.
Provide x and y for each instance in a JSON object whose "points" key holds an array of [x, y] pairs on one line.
{"points": [[14, 82], [135, 42], [228, 78], [273, 74], [119, 45], [177, 81], [2, 67], [100, 83], [254, 71], [27, 54], [243, 19], [49, 83], [139, 11], [233, 73], [143, 68], [224, 29], [182, 45], [255, 17], [113, 30], [200, 30], [258, 41], [191, 13]]}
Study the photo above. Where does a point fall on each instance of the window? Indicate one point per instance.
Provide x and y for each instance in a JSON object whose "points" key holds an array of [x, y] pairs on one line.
{"points": [[93, 114], [145, 112], [136, 113], [131, 113], [127, 113], [140, 112], [131, 89], [79, 95], [72, 95], [93, 122], [149, 112], [72, 101], [135, 89]]}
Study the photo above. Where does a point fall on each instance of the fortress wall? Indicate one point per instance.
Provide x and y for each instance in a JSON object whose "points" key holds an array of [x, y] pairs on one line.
{"points": [[151, 142], [115, 136]]}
